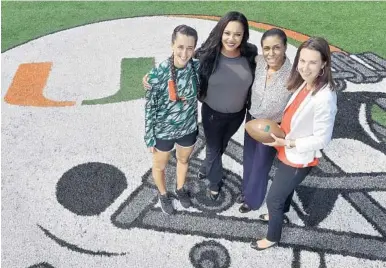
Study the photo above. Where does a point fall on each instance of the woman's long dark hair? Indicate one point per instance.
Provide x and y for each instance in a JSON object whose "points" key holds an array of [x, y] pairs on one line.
{"points": [[209, 52]]}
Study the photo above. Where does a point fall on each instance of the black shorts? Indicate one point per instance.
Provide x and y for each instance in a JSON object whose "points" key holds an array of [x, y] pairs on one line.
{"points": [[168, 145]]}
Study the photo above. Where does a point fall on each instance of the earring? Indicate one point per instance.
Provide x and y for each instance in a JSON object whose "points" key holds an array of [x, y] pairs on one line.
{"points": [[322, 72]]}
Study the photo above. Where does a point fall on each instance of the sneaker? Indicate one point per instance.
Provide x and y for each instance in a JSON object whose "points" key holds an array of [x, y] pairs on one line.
{"points": [[184, 198], [213, 195], [166, 204]]}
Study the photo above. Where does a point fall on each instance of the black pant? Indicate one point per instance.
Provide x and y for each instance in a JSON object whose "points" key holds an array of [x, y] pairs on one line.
{"points": [[280, 195], [218, 130]]}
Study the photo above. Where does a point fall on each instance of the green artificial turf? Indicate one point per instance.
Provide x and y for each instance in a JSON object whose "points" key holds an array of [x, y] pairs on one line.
{"points": [[132, 71], [378, 115], [353, 26]]}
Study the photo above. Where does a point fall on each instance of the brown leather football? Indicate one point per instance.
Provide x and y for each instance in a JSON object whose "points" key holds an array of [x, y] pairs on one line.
{"points": [[261, 129]]}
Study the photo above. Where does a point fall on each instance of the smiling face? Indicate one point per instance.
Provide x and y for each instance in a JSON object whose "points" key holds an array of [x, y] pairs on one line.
{"points": [[310, 65], [274, 51], [183, 49], [231, 38]]}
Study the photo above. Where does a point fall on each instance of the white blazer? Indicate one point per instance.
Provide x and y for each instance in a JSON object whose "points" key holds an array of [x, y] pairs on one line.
{"points": [[311, 125]]}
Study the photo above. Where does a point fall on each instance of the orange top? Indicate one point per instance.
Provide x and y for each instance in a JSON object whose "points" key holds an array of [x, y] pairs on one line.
{"points": [[286, 127]]}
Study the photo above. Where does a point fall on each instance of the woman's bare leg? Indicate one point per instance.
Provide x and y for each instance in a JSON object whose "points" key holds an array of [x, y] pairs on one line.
{"points": [[160, 160], [182, 155]]}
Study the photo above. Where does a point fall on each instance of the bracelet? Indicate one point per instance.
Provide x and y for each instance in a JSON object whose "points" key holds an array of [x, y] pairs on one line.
{"points": [[288, 144]]}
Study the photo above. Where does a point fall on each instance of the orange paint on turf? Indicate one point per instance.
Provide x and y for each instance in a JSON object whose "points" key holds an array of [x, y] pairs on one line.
{"points": [[28, 84], [291, 34]]}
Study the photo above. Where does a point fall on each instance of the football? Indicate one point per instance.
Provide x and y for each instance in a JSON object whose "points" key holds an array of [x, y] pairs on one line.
{"points": [[261, 129]]}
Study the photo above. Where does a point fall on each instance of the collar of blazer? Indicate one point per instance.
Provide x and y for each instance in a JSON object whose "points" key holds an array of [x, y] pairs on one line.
{"points": [[305, 101]]}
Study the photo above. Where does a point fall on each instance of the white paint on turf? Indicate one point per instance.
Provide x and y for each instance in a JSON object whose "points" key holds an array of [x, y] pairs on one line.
{"points": [[40, 144], [346, 152], [349, 219], [364, 123]]}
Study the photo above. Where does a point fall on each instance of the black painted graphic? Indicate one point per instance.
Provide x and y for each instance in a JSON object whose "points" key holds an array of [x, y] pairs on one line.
{"points": [[319, 197], [42, 265], [88, 189], [209, 254], [79, 189], [75, 248], [363, 68]]}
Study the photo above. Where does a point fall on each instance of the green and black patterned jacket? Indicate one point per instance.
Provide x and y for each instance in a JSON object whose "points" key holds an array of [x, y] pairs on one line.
{"points": [[165, 119]]}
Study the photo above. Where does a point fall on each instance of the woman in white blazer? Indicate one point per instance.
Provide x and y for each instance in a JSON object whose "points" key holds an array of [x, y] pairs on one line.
{"points": [[308, 122]]}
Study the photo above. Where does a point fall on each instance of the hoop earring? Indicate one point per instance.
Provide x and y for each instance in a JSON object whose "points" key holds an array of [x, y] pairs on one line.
{"points": [[322, 72]]}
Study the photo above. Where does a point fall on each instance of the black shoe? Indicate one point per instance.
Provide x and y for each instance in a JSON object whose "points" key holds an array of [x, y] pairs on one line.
{"points": [[201, 176], [240, 199], [166, 204], [183, 197], [264, 217], [256, 247], [213, 196], [244, 208]]}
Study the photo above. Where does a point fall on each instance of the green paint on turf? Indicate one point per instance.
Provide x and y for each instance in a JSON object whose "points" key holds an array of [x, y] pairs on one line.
{"points": [[378, 115], [132, 71]]}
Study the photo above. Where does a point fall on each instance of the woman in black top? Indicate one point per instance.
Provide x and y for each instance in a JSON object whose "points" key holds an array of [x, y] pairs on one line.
{"points": [[227, 68]]}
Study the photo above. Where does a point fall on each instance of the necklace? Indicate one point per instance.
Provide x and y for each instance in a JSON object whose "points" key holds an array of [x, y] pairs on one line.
{"points": [[271, 71], [270, 74]]}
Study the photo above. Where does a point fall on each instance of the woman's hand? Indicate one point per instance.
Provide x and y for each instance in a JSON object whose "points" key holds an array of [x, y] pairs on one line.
{"points": [[145, 83], [277, 142]]}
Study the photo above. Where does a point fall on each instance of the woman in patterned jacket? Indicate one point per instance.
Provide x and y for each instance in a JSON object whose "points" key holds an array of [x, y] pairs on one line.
{"points": [[171, 113]]}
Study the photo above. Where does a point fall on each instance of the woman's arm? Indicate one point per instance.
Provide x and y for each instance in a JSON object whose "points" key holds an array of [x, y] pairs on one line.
{"points": [[151, 108], [145, 82], [323, 124]]}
